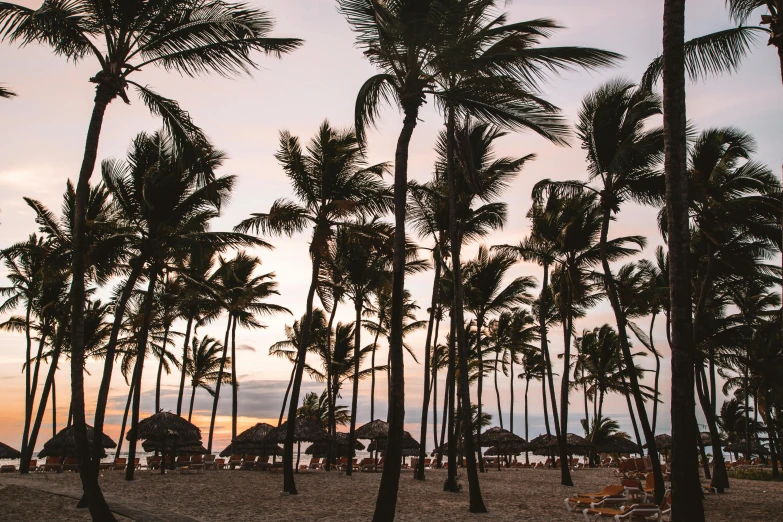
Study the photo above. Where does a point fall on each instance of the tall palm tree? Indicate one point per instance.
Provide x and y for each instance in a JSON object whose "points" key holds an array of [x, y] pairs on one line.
{"points": [[193, 37], [687, 503], [203, 366], [534, 368], [333, 183], [243, 294]]}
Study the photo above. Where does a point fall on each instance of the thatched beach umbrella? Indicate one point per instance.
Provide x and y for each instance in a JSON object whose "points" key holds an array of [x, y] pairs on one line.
{"points": [[619, 445], [7, 452], [742, 447], [320, 449], [64, 443], [306, 430], [706, 438], [500, 438], [373, 430], [408, 442], [251, 442], [662, 442], [165, 432]]}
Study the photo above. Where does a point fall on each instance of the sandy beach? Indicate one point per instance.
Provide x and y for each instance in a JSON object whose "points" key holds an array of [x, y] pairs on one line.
{"points": [[510, 495]]}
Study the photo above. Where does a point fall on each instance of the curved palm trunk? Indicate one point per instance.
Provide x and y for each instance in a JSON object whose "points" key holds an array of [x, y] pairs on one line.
{"points": [[546, 412], [451, 381], [527, 435], [545, 349], [24, 466], [565, 470], [480, 387], [27, 451], [386, 503], [218, 383], [372, 373], [497, 391], [234, 384], [289, 486], [138, 370], [419, 471], [511, 396], [28, 401], [476, 501], [160, 368], [329, 392], [611, 292], [192, 399], [287, 392], [357, 340], [108, 364], [181, 393], [97, 505], [124, 420], [657, 374], [435, 389], [687, 498], [54, 408], [632, 415]]}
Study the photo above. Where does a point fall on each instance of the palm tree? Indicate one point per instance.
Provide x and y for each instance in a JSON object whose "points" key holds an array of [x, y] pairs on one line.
{"points": [[243, 295], [534, 367], [203, 366], [316, 407], [192, 37], [6, 93], [741, 10], [333, 183], [687, 502]]}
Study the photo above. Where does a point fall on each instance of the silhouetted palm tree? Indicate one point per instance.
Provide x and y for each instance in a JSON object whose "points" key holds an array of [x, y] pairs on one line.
{"points": [[203, 366]]}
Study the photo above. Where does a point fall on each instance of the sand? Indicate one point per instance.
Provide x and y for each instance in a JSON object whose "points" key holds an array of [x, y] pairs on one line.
{"points": [[510, 495]]}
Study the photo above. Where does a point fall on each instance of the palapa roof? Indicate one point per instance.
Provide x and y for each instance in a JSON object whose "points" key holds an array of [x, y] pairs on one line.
{"points": [[408, 442], [662, 442], [543, 441], [64, 443], [619, 445], [254, 434], [171, 444], [7, 452], [510, 449], [304, 430], [376, 429], [256, 450], [741, 447], [166, 425], [498, 436], [322, 448], [706, 438]]}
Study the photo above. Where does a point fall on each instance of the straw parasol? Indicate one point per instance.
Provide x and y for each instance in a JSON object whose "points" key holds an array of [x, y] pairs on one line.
{"points": [[319, 449], [373, 430], [510, 449], [662, 442], [741, 447], [408, 443], [619, 445], [543, 442], [706, 438], [251, 442], [64, 443], [166, 432], [501, 438], [7, 452], [304, 430]]}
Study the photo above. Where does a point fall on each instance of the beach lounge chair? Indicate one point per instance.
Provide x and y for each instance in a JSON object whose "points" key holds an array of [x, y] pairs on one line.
{"points": [[220, 463], [34, 465], [368, 464], [53, 464], [262, 463], [342, 464], [584, 500], [427, 463], [119, 464], [234, 461], [106, 466], [70, 464], [315, 463], [154, 462], [137, 463], [249, 462], [183, 461], [633, 488], [196, 462], [209, 462], [8, 468], [633, 512]]}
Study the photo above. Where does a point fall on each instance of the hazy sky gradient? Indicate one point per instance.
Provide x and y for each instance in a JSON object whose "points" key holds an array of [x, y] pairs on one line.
{"points": [[42, 140]]}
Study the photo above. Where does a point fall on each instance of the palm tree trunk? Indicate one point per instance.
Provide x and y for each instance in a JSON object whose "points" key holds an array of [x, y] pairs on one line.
{"points": [[497, 391], [24, 465], [687, 498], [28, 400], [219, 381], [565, 469], [543, 396], [657, 374], [27, 452], [160, 368], [511, 405], [124, 420], [386, 503], [747, 412], [234, 384], [97, 505], [357, 343], [480, 387], [476, 501], [289, 486], [108, 363], [527, 435], [184, 362], [287, 391], [192, 399], [141, 354], [419, 471], [544, 299], [330, 396], [435, 386], [449, 401], [372, 373], [632, 415], [619, 314]]}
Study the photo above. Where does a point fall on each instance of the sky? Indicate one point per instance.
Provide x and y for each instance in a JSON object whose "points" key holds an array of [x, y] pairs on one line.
{"points": [[42, 138]]}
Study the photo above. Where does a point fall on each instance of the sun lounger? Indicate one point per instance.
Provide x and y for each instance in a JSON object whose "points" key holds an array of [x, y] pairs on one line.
{"points": [[315, 463], [234, 461], [368, 464], [209, 462], [154, 462], [196, 463], [53, 464], [262, 463], [220, 463], [106, 466], [34, 465], [635, 511], [70, 464], [8, 468], [248, 462], [183, 461], [634, 488], [584, 500]]}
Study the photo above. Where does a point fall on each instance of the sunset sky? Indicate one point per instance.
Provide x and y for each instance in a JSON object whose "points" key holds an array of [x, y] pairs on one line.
{"points": [[42, 139]]}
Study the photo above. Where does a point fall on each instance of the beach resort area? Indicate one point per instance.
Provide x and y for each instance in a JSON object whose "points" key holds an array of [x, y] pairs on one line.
{"points": [[378, 260]]}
